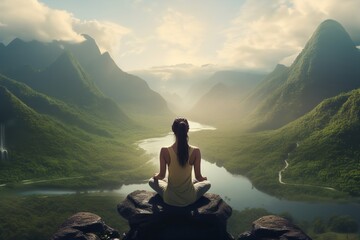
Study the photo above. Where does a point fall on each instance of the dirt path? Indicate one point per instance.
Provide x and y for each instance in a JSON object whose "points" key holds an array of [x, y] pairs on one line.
{"points": [[298, 184]]}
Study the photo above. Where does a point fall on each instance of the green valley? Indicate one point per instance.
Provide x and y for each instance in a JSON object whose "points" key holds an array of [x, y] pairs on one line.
{"points": [[72, 120]]}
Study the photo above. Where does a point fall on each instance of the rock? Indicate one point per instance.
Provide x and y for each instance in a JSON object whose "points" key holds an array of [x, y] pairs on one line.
{"points": [[150, 218], [274, 227], [85, 226]]}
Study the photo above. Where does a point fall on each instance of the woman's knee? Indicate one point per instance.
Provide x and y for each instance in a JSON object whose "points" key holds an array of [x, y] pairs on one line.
{"points": [[207, 185], [203, 186]]}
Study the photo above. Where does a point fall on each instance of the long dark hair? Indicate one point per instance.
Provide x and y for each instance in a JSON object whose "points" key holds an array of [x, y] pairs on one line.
{"points": [[180, 128]]}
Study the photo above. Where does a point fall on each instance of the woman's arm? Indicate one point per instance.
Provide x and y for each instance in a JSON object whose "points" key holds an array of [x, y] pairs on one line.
{"points": [[164, 153], [197, 165]]}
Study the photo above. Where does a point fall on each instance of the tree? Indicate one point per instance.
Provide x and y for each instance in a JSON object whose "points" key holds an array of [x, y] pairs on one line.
{"points": [[343, 224]]}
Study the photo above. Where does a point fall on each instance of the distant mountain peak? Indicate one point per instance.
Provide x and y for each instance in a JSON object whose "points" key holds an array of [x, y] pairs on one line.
{"points": [[329, 41], [332, 32], [326, 67], [329, 54], [15, 43], [87, 37]]}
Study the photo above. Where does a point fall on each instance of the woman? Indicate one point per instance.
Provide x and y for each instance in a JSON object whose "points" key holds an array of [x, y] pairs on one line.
{"points": [[179, 190]]}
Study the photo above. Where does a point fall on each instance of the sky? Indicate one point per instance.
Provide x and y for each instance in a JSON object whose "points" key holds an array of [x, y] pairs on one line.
{"points": [[141, 34]]}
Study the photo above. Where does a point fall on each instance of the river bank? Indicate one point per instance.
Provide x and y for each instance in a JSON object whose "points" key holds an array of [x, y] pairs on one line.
{"points": [[237, 190]]}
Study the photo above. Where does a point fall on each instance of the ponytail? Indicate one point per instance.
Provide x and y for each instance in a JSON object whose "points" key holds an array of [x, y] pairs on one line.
{"points": [[180, 128]]}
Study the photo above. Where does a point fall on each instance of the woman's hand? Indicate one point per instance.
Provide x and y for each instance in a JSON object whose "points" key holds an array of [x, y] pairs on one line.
{"points": [[200, 179], [157, 176]]}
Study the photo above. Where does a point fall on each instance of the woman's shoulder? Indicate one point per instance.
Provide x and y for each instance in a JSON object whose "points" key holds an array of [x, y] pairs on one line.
{"points": [[194, 147], [165, 150], [194, 150]]}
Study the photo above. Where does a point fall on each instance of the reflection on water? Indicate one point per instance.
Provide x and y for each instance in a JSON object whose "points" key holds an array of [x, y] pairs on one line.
{"points": [[236, 190]]}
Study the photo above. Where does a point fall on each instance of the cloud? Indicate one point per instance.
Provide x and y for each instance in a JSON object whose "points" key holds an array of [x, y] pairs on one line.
{"points": [[108, 35], [32, 20], [29, 19], [268, 32], [181, 30], [179, 37]]}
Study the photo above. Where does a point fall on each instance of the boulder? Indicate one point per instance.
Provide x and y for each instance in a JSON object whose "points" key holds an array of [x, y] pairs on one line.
{"points": [[85, 226], [273, 227], [150, 218]]}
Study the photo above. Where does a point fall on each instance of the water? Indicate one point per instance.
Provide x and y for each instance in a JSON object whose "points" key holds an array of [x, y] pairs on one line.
{"points": [[236, 190]]}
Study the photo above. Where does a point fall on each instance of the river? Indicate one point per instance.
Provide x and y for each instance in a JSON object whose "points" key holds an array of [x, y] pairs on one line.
{"points": [[236, 190]]}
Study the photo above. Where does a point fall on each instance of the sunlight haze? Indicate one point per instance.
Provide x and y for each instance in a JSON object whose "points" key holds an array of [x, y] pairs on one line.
{"points": [[141, 34]]}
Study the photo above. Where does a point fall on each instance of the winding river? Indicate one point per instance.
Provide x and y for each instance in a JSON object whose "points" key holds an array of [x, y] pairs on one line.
{"points": [[236, 190]]}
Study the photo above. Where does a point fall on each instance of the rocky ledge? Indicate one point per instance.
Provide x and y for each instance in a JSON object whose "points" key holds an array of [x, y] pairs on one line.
{"points": [[150, 218], [85, 226], [272, 228]]}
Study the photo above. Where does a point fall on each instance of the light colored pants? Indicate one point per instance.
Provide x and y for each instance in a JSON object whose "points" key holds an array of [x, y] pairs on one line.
{"points": [[200, 187]]}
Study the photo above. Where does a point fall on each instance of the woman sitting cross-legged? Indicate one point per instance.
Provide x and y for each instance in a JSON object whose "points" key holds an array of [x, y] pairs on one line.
{"points": [[179, 189]]}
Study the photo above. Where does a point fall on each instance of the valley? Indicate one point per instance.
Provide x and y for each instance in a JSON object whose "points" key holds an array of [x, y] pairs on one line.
{"points": [[72, 122]]}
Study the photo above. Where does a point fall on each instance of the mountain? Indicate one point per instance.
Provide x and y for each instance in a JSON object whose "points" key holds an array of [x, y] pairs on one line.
{"points": [[57, 109], [214, 106], [175, 79], [224, 91], [66, 80], [130, 92], [327, 66], [328, 140], [60, 124], [40, 146], [34, 53], [34, 141], [271, 83]]}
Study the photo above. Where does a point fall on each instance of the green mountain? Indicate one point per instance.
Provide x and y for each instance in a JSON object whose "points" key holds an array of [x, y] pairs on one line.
{"points": [[57, 109], [271, 83], [65, 80], [327, 66], [51, 139], [329, 144], [20, 58], [32, 135], [131, 92], [322, 149], [34, 53]]}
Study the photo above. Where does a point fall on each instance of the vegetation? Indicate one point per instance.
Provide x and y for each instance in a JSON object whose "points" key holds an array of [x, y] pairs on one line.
{"points": [[39, 217], [47, 213], [63, 130], [326, 67], [70, 142], [323, 145]]}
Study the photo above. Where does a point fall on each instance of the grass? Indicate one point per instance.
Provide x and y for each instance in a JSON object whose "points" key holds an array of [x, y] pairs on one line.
{"points": [[39, 217], [260, 157]]}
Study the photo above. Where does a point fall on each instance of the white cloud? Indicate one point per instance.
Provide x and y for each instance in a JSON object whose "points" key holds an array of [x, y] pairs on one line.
{"points": [[32, 20], [29, 19], [181, 30], [179, 37], [108, 35], [268, 32]]}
